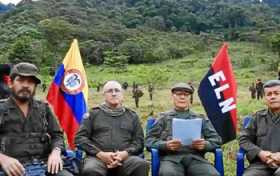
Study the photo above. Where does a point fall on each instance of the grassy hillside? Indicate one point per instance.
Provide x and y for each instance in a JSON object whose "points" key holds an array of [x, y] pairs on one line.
{"points": [[249, 63], [161, 41]]}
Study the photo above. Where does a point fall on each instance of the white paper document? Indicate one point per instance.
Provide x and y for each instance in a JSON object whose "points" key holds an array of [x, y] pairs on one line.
{"points": [[186, 130]]}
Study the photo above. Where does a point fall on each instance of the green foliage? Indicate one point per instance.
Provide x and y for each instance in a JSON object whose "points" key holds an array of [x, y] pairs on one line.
{"points": [[22, 51], [275, 42], [145, 31], [118, 62], [133, 50]]}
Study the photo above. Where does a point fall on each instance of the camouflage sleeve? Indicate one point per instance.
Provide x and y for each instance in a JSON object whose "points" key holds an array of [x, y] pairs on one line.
{"points": [[213, 140], [137, 145], [154, 138], [247, 140], [54, 130], [82, 139]]}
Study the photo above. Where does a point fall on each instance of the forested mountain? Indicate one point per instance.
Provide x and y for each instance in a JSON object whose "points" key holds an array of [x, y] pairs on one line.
{"points": [[5, 8], [130, 31]]}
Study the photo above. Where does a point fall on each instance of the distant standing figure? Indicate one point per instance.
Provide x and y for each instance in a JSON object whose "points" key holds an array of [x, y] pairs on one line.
{"points": [[137, 93], [259, 88], [134, 85], [44, 87], [125, 85], [151, 90], [98, 86], [191, 85], [253, 90]]}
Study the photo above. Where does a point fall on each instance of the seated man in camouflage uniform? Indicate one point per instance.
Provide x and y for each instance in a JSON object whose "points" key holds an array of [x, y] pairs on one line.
{"points": [[29, 132], [260, 138], [112, 137], [175, 158]]}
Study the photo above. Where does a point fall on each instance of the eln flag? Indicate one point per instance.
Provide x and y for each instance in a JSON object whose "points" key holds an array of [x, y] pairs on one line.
{"points": [[217, 92], [68, 92]]}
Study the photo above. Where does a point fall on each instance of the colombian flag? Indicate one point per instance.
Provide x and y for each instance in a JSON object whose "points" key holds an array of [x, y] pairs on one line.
{"points": [[68, 92], [217, 92]]}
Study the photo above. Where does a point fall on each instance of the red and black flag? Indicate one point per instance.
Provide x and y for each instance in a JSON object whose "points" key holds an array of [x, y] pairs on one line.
{"points": [[217, 92]]}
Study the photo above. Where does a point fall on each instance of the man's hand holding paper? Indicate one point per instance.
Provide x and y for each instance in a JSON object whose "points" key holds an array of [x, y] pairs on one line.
{"points": [[188, 131], [174, 145], [198, 144]]}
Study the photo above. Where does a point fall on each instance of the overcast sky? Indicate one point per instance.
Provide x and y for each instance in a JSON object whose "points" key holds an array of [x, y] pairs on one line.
{"points": [[10, 1]]}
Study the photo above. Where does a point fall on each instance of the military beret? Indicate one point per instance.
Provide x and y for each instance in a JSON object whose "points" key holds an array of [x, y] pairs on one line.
{"points": [[26, 69], [271, 83], [182, 87]]}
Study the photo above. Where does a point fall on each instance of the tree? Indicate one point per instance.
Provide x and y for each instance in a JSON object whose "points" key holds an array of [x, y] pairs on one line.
{"points": [[58, 34], [275, 43], [115, 60], [22, 51]]}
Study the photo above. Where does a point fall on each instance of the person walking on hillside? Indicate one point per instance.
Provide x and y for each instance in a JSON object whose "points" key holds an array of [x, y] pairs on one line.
{"points": [[137, 94], [253, 90], [44, 87], [259, 88], [125, 85], [151, 91], [191, 85]]}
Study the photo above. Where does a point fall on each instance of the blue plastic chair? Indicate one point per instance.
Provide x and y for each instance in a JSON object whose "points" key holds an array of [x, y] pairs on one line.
{"points": [[155, 157], [240, 156]]}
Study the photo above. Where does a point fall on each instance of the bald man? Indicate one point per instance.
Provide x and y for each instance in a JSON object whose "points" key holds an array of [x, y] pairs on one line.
{"points": [[112, 137]]}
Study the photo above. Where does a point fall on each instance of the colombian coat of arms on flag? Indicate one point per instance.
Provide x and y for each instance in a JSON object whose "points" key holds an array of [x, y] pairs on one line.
{"points": [[217, 92], [68, 92]]}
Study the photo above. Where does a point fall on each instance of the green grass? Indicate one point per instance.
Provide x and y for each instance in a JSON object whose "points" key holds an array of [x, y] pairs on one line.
{"points": [[193, 67]]}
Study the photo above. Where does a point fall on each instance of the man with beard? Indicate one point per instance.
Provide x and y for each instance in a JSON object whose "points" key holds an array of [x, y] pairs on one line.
{"points": [[29, 132], [112, 137]]}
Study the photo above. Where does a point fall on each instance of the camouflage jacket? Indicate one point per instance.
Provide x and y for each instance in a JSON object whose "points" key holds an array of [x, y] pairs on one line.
{"points": [[162, 131], [261, 133]]}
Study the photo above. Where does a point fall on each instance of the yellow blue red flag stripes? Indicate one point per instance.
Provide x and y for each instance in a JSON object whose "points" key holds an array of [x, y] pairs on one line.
{"points": [[68, 92], [217, 92]]}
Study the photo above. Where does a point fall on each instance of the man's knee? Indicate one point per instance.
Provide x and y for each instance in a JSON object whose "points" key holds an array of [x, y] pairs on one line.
{"points": [[136, 165], [94, 167], [141, 163], [209, 171], [277, 172], [92, 171], [167, 172], [213, 171], [202, 168], [171, 169], [64, 173], [251, 172]]}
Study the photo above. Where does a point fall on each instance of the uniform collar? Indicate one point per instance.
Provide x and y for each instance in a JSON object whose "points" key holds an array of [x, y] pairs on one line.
{"points": [[274, 116], [11, 104], [174, 112]]}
